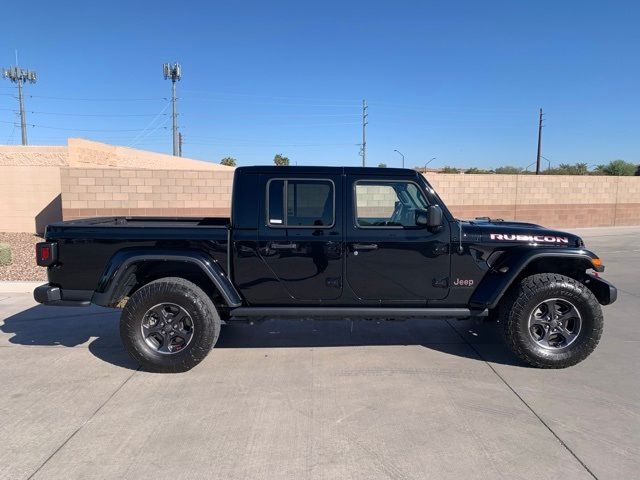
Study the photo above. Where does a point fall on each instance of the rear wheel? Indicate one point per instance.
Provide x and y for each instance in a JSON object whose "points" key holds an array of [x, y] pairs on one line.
{"points": [[169, 325], [551, 321]]}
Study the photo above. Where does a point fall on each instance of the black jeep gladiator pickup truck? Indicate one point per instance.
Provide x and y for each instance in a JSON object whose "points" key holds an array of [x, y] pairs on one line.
{"points": [[327, 242]]}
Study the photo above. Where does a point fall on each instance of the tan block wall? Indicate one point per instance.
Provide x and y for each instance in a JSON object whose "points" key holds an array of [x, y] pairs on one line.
{"points": [[561, 201], [135, 192], [30, 197]]}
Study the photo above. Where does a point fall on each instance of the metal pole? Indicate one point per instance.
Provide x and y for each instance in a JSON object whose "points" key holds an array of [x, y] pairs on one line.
{"points": [[175, 120], [18, 76], [539, 144], [23, 120], [364, 133], [400, 153], [174, 72]]}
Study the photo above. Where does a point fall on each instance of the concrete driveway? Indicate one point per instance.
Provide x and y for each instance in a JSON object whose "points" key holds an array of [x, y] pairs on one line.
{"points": [[286, 399]]}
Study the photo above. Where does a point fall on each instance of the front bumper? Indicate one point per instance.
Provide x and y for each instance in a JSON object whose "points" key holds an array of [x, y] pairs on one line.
{"points": [[51, 295], [604, 291]]}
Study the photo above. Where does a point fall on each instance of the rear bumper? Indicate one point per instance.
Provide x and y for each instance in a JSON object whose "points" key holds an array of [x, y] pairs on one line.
{"points": [[55, 296], [604, 291]]}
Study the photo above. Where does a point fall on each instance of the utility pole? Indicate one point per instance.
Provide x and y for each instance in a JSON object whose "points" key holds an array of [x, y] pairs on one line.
{"points": [[363, 150], [179, 144], [539, 144], [19, 76], [174, 72]]}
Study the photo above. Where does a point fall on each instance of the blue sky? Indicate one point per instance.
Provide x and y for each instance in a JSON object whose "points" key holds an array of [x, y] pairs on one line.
{"points": [[460, 81]]}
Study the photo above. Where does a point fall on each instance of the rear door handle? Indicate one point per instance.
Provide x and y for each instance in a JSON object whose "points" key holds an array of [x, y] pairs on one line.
{"points": [[284, 246], [365, 246]]}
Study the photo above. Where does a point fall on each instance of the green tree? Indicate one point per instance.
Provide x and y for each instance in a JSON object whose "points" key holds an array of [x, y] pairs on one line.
{"points": [[508, 170], [382, 165], [569, 169], [228, 161], [617, 168], [475, 170], [448, 169], [280, 160]]}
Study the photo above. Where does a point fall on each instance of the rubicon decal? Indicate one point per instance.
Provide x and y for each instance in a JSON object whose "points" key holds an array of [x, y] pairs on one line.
{"points": [[505, 237]]}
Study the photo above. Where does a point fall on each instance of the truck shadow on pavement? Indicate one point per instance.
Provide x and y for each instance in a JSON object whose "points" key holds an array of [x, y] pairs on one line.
{"points": [[98, 329]]}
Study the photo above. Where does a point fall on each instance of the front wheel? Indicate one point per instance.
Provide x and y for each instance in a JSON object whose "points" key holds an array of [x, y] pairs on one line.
{"points": [[169, 325], [551, 321]]}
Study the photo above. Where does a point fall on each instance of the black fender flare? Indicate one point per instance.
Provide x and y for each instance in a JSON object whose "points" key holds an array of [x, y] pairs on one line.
{"points": [[511, 263], [125, 261]]}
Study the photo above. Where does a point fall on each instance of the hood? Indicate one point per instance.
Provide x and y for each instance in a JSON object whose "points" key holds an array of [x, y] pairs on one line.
{"points": [[486, 230]]}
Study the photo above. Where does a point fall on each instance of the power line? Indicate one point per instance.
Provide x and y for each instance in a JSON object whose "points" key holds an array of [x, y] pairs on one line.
{"points": [[66, 114], [276, 97], [148, 126], [73, 129], [101, 99], [273, 144]]}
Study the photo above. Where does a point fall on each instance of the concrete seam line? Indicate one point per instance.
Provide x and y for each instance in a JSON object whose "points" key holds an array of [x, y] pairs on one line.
{"points": [[584, 465], [81, 426]]}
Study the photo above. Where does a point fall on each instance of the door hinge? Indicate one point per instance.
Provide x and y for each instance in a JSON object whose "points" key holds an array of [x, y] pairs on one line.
{"points": [[441, 282]]}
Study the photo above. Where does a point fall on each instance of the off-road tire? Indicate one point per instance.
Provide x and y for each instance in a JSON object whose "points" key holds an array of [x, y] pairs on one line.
{"points": [[178, 291], [518, 305]]}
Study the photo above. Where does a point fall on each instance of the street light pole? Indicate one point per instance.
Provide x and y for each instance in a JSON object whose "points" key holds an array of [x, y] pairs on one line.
{"points": [[400, 153], [427, 163]]}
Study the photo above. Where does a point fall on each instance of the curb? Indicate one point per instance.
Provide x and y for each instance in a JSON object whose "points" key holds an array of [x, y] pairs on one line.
{"points": [[19, 287]]}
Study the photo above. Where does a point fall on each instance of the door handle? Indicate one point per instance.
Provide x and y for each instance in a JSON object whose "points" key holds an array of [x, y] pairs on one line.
{"points": [[365, 246], [284, 246]]}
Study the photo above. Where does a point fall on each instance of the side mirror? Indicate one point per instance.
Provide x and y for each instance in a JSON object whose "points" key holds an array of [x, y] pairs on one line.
{"points": [[422, 218], [430, 218], [435, 216]]}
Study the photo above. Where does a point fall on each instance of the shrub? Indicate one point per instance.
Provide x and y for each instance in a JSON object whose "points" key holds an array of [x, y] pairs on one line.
{"points": [[509, 170], [5, 254], [617, 168]]}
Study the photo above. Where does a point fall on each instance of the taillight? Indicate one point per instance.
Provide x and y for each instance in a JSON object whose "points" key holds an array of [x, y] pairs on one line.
{"points": [[46, 253]]}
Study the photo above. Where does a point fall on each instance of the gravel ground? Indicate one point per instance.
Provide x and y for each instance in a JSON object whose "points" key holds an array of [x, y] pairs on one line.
{"points": [[23, 258]]}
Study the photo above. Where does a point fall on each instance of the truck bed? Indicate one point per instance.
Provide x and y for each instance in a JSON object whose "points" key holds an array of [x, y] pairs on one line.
{"points": [[87, 245], [163, 222]]}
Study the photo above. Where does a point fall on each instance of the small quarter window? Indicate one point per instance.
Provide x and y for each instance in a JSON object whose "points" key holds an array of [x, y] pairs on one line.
{"points": [[301, 203]]}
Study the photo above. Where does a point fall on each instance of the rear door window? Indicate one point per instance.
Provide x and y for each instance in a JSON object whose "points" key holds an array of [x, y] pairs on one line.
{"points": [[300, 203]]}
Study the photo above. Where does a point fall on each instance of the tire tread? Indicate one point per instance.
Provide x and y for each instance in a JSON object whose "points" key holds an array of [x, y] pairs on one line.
{"points": [[514, 306]]}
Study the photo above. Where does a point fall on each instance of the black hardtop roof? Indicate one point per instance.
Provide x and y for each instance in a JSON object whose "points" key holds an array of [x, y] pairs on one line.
{"points": [[274, 169]]}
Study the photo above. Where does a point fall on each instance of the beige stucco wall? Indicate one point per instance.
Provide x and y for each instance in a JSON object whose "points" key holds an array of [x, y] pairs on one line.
{"points": [[29, 197], [88, 154], [32, 155]]}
